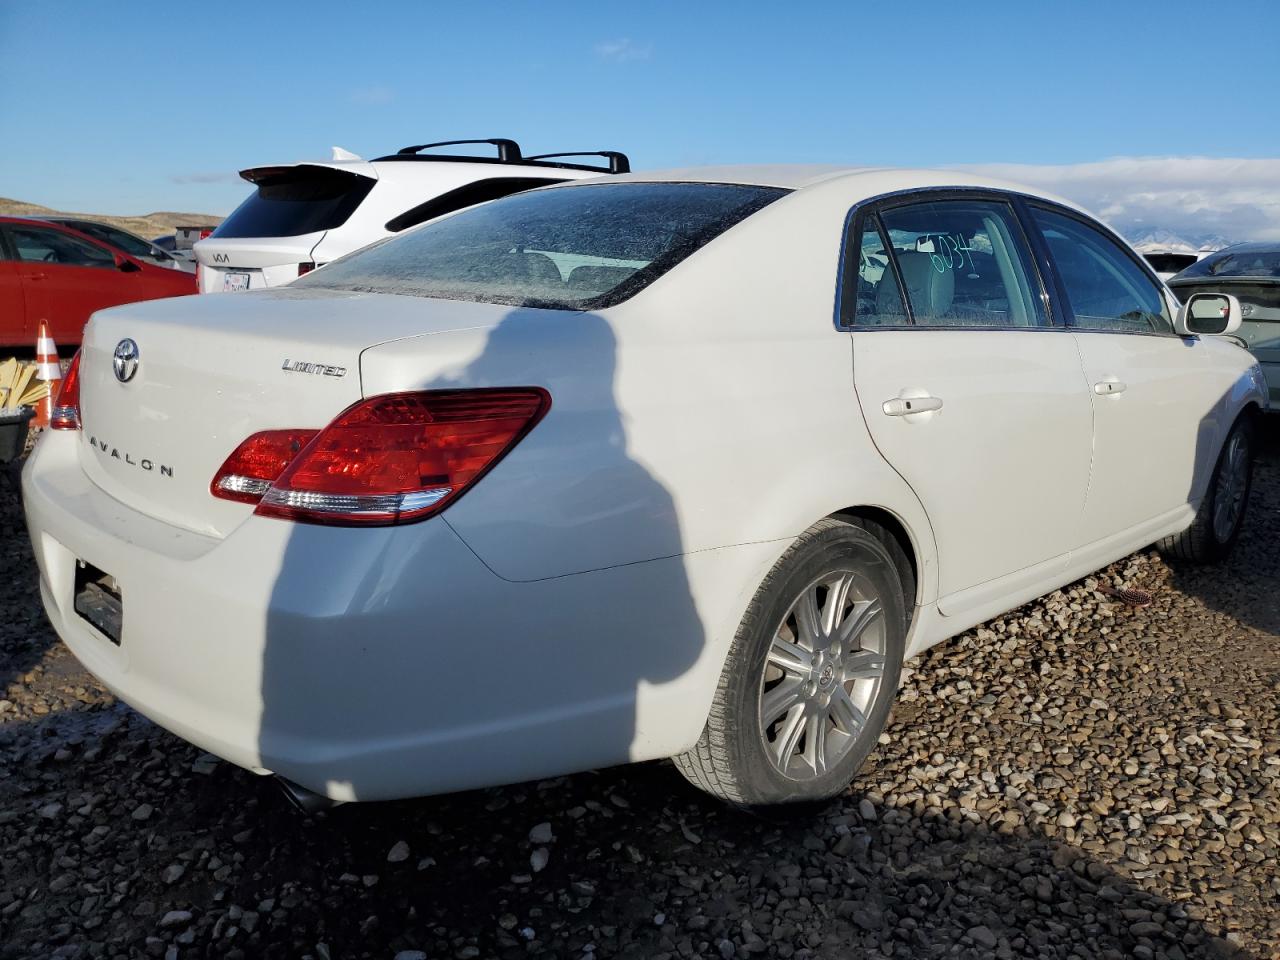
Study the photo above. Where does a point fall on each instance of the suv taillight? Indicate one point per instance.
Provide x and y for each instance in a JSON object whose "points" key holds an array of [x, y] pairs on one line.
{"points": [[305, 268], [390, 459], [65, 414]]}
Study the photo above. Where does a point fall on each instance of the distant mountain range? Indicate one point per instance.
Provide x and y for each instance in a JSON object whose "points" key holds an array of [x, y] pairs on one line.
{"points": [[1149, 241], [146, 225]]}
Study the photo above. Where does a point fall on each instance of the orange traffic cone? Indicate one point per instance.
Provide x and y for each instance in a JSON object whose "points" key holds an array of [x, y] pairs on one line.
{"points": [[48, 370]]}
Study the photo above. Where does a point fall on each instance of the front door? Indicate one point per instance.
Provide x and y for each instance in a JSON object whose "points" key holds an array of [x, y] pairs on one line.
{"points": [[1157, 400], [966, 390], [13, 310], [66, 278]]}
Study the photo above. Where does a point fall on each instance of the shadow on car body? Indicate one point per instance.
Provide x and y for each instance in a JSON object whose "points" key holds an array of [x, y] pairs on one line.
{"points": [[473, 683]]}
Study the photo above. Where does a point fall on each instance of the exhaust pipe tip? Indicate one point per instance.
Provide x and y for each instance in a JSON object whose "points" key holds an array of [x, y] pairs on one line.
{"points": [[303, 800]]}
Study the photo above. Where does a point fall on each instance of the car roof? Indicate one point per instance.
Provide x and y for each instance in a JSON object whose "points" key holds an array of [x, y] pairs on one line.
{"points": [[801, 176], [869, 181]]}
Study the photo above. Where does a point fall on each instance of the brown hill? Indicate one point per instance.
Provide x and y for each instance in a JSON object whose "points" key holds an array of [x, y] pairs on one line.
{"points": [[147, 225]]}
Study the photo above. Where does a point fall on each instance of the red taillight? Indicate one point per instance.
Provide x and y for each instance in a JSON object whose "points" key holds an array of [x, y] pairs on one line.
{"points": [[65, 414], [389, 459], [205, 234], [255, 464], [305, 268]]}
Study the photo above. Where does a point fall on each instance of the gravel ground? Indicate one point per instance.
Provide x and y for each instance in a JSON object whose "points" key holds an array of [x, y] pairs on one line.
{"points": [[1079, 778]]}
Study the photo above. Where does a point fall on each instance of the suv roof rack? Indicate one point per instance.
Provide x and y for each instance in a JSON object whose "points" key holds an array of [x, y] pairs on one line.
{"points": [[509, 152], [618, 162]]}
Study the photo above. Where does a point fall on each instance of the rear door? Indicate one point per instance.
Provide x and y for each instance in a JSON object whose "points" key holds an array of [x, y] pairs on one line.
{"points": [[66, 278], [965, 387], [1157, 398], [14, 328]]}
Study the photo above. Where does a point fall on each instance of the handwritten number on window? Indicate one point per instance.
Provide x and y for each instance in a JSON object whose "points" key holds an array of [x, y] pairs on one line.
{"points": [[955, 250]]}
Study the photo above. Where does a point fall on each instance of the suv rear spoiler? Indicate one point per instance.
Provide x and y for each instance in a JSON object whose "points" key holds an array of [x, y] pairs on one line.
{"points": [[509, 152]]}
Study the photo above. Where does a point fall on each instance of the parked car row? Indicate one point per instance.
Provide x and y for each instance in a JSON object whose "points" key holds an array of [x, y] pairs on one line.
{"points": [[51, 270], [677, 464], [1251, 273]]}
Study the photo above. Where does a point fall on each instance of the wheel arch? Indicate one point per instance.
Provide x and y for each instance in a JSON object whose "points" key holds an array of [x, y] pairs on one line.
{"points": [[909, 572]]}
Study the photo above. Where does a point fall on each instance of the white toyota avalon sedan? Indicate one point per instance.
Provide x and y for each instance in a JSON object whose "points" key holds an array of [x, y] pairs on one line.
{"points": [[680, 464]]}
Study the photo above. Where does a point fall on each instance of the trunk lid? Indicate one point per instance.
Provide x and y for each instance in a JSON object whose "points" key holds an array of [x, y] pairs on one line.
{"points": [[213, 370]]}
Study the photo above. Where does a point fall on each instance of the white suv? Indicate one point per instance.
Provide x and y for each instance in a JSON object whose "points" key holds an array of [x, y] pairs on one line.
{"points": [[303, 215]]}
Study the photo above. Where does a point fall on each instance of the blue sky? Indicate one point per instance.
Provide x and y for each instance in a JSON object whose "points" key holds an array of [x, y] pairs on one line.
{"points": [[131, 107]]}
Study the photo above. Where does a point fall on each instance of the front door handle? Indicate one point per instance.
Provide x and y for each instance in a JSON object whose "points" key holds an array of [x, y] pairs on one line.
{"points": [[906, 406], [1107, 388]]}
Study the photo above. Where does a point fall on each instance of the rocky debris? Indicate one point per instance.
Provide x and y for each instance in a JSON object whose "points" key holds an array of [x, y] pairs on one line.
{"points": [[1079, 778], [399, 853]]}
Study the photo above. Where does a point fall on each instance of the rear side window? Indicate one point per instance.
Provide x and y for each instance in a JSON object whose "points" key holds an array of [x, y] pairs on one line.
{"points": [[134, 246], [872, 297], [40, 245], [1105, 288], [577, 248], [468, 195], [962, 263], [292, 201]]}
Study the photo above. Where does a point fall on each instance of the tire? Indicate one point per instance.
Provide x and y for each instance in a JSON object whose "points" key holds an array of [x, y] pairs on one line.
{"points": [[1220, 517], [791, 684]]}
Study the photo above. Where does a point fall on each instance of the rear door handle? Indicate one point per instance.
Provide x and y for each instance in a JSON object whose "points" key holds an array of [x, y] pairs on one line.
{"points": [[906, 406], [1106, 388]]}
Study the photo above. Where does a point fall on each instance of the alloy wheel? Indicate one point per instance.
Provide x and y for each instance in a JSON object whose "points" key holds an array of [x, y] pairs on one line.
{"points": [[824, 671]]}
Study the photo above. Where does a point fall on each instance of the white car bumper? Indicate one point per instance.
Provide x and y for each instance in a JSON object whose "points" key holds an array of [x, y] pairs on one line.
{"points": [[385, 662]]}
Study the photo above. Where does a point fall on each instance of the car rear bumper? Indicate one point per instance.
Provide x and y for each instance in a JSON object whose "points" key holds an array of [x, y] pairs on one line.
{"points": [[387, 662]]}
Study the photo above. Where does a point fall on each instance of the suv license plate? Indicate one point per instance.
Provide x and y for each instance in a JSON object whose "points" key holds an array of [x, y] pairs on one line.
{"points": [[235, 281]]}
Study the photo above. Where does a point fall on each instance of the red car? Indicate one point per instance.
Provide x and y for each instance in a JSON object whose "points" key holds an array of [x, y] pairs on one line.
{"points": [[50, 272]]}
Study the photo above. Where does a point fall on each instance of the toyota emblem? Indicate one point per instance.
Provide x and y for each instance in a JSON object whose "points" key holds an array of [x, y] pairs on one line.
{"points": [[125, 360]]}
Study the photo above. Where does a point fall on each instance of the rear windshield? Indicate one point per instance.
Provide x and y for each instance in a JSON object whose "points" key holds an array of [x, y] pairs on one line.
{"points": [[1241, 262], [292, 201], [577, 247], [1169, 262]]}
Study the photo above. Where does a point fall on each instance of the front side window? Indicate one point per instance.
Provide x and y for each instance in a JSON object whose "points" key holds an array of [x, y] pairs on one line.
{"points": [[962, 263], [571, 248], [1105, 288], [39, 245]]}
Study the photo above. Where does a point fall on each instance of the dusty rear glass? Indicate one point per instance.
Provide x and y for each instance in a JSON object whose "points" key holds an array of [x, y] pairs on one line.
{"points": [[577, 248]]}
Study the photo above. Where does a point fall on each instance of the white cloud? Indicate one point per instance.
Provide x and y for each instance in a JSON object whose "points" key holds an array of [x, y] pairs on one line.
{"points": [[1190, 197], [623, 51], [371, 96]]}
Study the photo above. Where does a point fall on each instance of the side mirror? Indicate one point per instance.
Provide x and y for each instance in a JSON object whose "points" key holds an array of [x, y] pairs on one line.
{"points": [[125, 265], [1209, 314]]}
